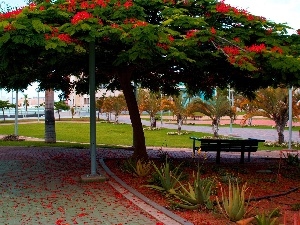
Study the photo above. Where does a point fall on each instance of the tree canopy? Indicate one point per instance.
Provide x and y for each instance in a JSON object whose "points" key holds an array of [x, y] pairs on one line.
{"points": [[158, 43]]}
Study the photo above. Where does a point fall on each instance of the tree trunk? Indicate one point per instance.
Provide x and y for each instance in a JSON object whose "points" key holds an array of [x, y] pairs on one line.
{"points": [[50, 135], [3, 115], [250, 121], [152, 121], [116, 118], [280, 123], [215, 127], [280, 130], [139, 144], [179, 123]]}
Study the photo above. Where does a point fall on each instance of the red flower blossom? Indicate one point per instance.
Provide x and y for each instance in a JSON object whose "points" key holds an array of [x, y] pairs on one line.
{"points": [[190, 33], [118, 4], [102, 3], [80, 16], [128, 4], [171, 38], [32, 5], [222, 7], [84, 5], [277, 49], [114, 25], [42, 8], [230, 50], [10, 14], [130, 21], [213, 30], [236, 39], [163, 46], [269, 31], [298, 31], [65, 37], [140, 24], [250, 17], [170, 1], [256, 48], [8, 27]]}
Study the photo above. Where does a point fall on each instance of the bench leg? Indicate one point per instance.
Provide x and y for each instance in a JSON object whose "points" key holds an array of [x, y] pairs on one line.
{"points": [[194, 147], [242, 157], [218, 158], [249, 153]]}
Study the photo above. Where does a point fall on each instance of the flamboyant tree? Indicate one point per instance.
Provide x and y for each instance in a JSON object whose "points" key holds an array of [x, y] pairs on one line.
{"points": [[201, 43]]}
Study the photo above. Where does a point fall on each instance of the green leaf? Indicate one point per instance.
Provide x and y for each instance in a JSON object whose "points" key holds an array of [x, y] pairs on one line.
{"points": [[38, 26], [85, 26], [3, 24], [4, 38], [50, 45]]}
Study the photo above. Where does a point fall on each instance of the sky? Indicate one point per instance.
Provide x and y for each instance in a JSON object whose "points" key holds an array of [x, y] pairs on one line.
{"points": [[279, 11]]}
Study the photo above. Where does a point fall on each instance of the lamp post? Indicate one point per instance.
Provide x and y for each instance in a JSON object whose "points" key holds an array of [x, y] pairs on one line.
{"points": [[38, 102], [290, 116], [230, 98], [161, 113]]}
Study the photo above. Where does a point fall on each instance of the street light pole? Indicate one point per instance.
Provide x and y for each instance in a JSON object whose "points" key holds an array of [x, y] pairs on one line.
{"points": [[230, 98], [290, 116], [161, 114]]}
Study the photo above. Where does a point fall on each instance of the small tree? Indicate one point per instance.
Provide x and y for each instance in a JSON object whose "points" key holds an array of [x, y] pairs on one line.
{"points": [[61, 105], [149, 102], [72, 110], [99, 105], [214, 108], [114, 104], [26, 102], [5, 105]]}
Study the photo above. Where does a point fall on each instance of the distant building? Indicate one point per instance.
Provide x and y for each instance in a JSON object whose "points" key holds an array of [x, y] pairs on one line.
{"points": [[83, 101]]}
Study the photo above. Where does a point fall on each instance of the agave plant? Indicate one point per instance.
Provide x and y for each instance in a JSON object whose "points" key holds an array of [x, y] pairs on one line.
{"points": [[197, 195], [168, 179], [142, 168], [234, 206], [264, 219]]}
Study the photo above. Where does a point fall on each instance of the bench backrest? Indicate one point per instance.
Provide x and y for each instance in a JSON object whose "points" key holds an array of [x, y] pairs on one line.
{"points": [[238, 145]]}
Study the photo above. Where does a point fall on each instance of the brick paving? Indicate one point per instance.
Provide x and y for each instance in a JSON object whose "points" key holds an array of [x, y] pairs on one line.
{"points": [[42, 186]]}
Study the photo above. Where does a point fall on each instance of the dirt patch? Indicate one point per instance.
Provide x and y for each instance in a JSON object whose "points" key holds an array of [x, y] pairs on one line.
{"points": [[268, 187]]}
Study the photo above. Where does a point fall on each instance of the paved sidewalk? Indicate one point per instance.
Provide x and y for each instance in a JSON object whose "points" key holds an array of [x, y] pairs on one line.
{"points": [[42, 186]]}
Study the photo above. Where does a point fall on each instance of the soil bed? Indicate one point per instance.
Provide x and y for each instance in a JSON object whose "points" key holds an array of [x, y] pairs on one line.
{"points": [[263, 177]]}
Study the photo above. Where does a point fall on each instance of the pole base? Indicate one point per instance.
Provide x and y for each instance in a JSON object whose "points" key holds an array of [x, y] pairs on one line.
{"points": [[93, 178]]}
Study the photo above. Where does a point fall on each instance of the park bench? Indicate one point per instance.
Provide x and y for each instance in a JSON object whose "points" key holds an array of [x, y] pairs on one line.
{"points": [[226, 145]]}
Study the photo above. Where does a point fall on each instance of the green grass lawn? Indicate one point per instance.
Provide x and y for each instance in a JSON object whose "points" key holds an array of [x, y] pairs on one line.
{"points": [[107, 134]]}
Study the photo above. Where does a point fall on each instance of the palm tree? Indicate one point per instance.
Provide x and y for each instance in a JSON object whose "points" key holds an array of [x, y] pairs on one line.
{"points": [[273, 104], [50, 134], [176, 105], [214, 108]]}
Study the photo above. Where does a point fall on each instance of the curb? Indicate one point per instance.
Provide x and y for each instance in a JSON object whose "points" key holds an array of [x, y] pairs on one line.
{"points": [[155, 210]]}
